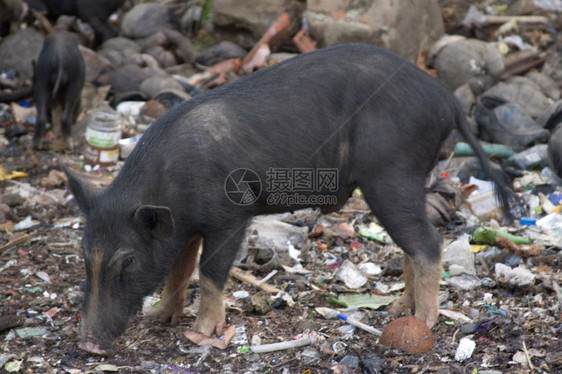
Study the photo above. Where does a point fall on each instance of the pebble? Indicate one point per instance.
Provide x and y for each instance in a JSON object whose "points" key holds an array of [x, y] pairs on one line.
{"points": [[350, 361]]}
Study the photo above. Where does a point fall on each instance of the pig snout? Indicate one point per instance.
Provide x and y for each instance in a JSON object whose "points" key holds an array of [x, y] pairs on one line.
{"points": [[89, 344]]}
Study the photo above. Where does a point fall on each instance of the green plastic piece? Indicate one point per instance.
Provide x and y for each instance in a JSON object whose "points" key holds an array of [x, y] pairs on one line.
{"points": [[489, 236], [243, 349], [496, 150]]}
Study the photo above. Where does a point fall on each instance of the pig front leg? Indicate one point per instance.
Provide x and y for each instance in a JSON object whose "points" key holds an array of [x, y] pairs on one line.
{"points": [[420, 292], [211, 316], [219, 251], [427, 275], [173, 296], [406, 303]]}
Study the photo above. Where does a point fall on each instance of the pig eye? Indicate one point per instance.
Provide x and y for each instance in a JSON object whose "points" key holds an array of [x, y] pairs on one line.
{"points": [[127, 262]]}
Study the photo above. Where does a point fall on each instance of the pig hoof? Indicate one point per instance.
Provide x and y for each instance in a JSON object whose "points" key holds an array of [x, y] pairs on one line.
{"points": [[429, 319], [165, 315], [69, 144], [208, 326], [399, 307], [93, 348]]}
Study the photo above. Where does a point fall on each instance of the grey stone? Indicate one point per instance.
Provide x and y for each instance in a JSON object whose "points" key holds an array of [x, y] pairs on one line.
{"points": [[146, 19], [405, 27], [350, 361], [95, 64], [168, 47], [156, 84], [249, 19], [469, 61], [19, 49], [546, 84]]}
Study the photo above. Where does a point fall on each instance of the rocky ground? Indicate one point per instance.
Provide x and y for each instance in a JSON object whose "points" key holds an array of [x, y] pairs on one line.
{"points": [[513, 320]]}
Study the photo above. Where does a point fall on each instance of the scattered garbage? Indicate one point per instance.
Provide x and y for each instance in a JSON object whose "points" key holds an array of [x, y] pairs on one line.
{"points": [[519, 276], [365, 300], [221, 342], [507, 73], [359, 324], [465, 349], [459, 253], [103, 133], [491, 236], [351, 276], [298, 341]]}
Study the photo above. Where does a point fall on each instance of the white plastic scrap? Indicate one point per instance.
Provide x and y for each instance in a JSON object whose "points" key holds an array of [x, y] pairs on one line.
{"points": [[293, 252], [457, 316], [327, 313], [518, 276], [43, 276], [241, 294], [459, 253], [370, 268], [465, 349], [25, 224], [351, 276]]}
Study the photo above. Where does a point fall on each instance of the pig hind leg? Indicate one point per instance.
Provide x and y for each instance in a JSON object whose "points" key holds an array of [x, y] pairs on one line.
{"points": [[42, 104], [219, 251], [71, 107], [173, 296], [397, 199]]}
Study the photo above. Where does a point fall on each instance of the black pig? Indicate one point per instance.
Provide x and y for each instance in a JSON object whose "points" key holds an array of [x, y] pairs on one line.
{"points": [[57, 83], [332, 120], [94, 12], [11, 11]]}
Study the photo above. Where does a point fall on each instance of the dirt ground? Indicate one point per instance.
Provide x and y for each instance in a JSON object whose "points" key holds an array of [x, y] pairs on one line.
{"points": [[515, 329], [506, 321]]}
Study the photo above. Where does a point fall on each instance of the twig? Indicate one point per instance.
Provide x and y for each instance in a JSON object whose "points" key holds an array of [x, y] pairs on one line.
{"points": [[17, 241], [455, 335], [494, 20], [284, 362], [355, 211], [531, 367], [239, 274], [266, 278], [282, 345]]}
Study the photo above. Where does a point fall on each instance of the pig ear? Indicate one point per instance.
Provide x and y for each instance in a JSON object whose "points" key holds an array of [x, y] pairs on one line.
{"points": [[158, 220], [84, 192]]}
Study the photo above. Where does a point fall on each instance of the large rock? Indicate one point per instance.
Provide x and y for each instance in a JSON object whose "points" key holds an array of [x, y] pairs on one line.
{"points": [[95, 64], [249, 19], [405, 27], [168, 47], [153, 85], [19, 49], [471, 61], [146, 19]]}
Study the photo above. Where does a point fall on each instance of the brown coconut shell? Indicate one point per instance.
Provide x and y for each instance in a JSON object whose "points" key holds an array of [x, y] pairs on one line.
{"points": [[408, 333]]}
